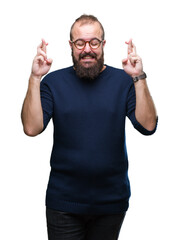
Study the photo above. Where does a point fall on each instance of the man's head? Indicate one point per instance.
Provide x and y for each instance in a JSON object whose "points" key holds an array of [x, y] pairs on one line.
{"points": [[87, 42]]}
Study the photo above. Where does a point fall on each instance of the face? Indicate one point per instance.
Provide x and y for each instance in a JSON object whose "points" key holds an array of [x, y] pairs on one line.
{"points": [[88, 62]]}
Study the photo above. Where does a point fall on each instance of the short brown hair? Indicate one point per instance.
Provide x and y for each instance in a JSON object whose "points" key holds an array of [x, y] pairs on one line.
{"points": [[86, 19]]}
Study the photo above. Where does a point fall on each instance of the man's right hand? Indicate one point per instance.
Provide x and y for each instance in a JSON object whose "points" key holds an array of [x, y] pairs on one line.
{"points": [[41, 64], [32, 113]]}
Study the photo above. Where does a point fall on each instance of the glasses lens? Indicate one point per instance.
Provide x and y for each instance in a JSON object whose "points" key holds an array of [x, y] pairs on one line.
{"points": [[80, 44], [94, 43]]}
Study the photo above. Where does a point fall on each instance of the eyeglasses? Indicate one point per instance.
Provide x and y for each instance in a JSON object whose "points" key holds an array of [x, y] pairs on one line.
{"points": [[81, 44]]}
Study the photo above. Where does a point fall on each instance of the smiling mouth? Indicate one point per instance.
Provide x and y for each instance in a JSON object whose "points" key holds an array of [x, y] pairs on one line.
{"points": [[88, 57], [85, 56]]}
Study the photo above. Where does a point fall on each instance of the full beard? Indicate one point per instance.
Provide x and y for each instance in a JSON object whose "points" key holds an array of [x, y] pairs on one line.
{"points": [[88, 73]]}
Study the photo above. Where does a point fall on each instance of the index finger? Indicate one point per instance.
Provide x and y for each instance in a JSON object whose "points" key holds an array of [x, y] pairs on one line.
{"points": [[43, 46], [131, 47], [134, 48]]}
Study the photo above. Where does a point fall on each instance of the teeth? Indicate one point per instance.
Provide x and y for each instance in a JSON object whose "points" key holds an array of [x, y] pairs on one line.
{"points": [[87, 57]]}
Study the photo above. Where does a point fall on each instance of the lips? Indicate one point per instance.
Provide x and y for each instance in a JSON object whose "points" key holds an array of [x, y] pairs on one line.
{"points": [[87, 56]]}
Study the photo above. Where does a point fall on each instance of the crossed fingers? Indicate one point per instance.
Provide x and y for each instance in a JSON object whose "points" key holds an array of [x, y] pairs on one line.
{"points": [[131, 47], [42, 52], [132, 53]]}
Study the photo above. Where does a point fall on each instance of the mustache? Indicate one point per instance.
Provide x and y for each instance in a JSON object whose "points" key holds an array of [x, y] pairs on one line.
{"points": [[90, 54]]}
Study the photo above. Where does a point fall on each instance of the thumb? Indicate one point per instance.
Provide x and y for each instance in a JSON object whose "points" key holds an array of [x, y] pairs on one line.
{"points": [[124, 61], [49, 61]]}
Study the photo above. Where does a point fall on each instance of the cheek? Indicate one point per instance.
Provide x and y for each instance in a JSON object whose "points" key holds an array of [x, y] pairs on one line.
{"points": [[99, 53], [76, 53]]}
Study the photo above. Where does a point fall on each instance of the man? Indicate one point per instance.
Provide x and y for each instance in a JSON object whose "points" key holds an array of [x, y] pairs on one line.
{"points": [[88, 190]]}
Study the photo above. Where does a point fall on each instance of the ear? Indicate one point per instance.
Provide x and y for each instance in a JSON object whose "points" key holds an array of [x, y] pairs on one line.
{"points": [[70, 43], [104, 43]]}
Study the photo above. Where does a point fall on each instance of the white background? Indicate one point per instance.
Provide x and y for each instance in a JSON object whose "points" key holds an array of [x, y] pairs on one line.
{"points": [[153, 161]]}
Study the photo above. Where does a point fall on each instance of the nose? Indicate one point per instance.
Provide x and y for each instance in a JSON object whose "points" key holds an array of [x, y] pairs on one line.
{"points": [[87, 47]]}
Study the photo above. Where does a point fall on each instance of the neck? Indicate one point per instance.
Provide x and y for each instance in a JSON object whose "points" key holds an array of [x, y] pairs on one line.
{"points": [[103, 68]]}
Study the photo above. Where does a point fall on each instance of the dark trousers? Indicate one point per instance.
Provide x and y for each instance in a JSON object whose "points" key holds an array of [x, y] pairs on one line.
{"points": [[68, 226]]}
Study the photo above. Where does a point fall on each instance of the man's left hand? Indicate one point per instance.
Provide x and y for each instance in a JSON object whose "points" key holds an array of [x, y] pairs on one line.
{"points": [[133, 63]]}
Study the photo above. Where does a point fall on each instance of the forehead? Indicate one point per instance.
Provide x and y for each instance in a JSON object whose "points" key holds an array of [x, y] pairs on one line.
{"points": [[87, 31]]}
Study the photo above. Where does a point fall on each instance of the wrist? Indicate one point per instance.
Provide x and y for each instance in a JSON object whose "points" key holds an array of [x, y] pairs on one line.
{"points": [[140, 76], [34, 82], [34, 77], [137, 74]]}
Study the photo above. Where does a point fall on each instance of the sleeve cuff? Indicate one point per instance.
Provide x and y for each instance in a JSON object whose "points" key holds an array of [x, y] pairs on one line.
{"points": [[140, 128]]}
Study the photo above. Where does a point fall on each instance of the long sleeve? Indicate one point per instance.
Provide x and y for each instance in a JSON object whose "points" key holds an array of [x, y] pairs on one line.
{"points": [[131, 104], [47, 103]]}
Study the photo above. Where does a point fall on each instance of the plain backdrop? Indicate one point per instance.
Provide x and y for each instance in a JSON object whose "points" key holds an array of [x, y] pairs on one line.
{"points": [[153, 160]]}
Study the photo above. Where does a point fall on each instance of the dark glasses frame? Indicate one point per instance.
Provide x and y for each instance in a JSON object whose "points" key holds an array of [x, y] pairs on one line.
{"points": [[85, 42]]}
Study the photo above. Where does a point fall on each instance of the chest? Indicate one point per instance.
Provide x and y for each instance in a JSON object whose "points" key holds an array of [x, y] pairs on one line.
{"points": [[104, 100]]}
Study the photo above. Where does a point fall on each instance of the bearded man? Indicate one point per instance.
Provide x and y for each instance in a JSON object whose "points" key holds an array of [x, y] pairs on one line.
{"points": [[88, 191]]}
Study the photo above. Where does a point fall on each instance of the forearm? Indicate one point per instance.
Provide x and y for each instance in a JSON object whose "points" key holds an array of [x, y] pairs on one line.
{"points": [[32, 114], [145, 111]]}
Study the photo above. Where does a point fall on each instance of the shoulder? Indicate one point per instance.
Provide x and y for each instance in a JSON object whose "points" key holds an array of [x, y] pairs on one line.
{"points": [[57, 75], [118, 73]]}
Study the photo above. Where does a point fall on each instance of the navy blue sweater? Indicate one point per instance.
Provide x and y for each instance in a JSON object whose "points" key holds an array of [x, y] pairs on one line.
{"points": [[89, 163]]}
